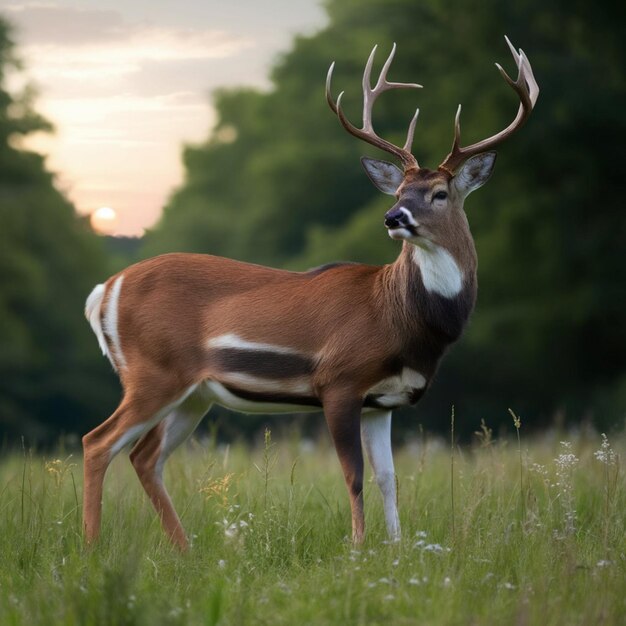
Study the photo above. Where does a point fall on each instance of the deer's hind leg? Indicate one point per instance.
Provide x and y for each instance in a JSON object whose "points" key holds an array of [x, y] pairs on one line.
{"points": [[153, 449], [143, 406]]}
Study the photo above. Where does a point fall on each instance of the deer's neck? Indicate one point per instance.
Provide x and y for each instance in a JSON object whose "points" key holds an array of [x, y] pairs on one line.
{"points": [[435, 288]]}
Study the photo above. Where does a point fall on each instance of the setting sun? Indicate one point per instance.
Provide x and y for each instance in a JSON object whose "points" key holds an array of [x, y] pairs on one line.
{"points": [[104, 220]]}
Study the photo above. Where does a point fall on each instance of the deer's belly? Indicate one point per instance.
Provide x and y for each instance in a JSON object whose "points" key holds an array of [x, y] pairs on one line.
{"points": [[257, 377], [264, 398]]}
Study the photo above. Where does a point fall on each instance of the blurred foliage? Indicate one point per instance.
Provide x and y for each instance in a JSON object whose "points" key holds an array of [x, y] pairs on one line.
{"points": [[51, 379], [279, 182]]}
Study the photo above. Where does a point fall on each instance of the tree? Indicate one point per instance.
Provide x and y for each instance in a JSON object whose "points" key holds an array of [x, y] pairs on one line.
{"points": [[51, 377]]}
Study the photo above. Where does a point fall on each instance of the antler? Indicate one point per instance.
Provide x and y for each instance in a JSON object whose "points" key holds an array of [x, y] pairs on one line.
{"points": [[369, 97], [527, 90]]}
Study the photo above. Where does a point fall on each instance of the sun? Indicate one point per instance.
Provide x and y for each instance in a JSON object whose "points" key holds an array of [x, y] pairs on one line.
{"points": [[104, 220]]}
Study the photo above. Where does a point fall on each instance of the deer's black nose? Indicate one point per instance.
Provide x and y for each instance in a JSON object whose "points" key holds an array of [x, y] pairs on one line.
{"points": [[393, 219], [392, 222]]}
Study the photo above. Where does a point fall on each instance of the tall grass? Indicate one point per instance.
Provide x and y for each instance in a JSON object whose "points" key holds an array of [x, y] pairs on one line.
{"points": [[270, 531]]}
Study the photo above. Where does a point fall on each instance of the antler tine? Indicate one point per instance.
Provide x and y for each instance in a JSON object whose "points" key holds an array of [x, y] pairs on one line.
{"points": [[527, 90], [329, 97], [367, 133], [409, 135], [523, 63]]}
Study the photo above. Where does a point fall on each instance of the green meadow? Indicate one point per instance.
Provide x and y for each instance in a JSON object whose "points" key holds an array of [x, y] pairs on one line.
{"points": [[493, 533]]}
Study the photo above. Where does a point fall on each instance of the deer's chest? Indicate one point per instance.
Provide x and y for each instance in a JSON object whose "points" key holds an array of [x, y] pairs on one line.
{"points": [[402, 389]]}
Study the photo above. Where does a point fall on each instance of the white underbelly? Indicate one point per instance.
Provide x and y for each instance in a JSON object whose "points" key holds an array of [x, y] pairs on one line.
{"points": [[219, 394]]}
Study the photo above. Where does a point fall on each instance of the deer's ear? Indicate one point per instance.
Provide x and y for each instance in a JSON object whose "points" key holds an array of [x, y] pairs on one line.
{"points": [[474, 173], [385, 176]]}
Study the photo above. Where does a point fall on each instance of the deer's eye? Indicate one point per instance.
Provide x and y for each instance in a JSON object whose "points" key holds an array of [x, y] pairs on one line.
{"points": [[440, 195]]}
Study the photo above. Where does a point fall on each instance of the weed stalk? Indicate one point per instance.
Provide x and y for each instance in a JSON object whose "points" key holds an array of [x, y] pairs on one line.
{"points": [[517, 422], [452, 471]]}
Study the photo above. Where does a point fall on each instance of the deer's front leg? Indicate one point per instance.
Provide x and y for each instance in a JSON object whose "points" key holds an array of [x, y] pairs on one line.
{"points": [[343, 414], [376, 434]]}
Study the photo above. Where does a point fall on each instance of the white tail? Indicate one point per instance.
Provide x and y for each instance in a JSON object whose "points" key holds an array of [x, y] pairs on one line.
{"points": [[93, 310]]}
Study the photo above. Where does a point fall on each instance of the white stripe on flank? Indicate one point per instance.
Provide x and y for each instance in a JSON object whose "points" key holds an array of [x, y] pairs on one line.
{"points": [[440, 273], [298, 385], [226, 398], [110, 322], [230, 340]]}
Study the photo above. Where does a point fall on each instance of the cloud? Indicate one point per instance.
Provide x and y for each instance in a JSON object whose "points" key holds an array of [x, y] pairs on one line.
{"points": [[69, 43], [50, 23]]}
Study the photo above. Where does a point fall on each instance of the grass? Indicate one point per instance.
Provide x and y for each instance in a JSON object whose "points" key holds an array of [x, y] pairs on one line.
{"points": [[270, 526]]}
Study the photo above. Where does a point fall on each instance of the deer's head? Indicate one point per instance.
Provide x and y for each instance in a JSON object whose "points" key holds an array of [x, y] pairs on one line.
{"points": [[429, 203]]}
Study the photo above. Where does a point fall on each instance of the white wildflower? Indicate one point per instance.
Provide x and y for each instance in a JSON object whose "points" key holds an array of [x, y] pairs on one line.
{"points": [[284, 587], [565, 464], [605, 454], [540, 470], [567, 460]]}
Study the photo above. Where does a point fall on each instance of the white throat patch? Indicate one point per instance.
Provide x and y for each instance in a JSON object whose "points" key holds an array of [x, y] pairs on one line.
{"points": [[440, 273]]}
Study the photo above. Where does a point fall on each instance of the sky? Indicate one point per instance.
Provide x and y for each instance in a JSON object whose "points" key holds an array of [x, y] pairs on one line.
{"points": [[127, 83]]}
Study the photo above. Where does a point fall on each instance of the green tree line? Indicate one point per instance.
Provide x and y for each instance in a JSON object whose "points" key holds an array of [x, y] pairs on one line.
{"points": [[52, 381], [278, 181]]}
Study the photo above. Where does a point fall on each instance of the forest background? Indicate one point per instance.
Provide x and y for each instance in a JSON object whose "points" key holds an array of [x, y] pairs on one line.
{"points": [[278, 182]]}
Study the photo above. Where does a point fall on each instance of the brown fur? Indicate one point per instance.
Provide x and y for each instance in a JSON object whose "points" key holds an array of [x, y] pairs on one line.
{"points": [[353, 324]]}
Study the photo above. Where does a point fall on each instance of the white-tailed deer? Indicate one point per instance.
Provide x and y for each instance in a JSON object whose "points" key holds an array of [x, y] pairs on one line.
{"points": [[185, 331]]}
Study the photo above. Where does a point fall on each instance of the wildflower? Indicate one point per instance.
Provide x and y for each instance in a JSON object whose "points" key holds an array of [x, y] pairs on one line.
{"points": [[284, 587], [567, 460], [218, 488], [540, 470], [435, 547], [565, 464], [605, 454], [60, 468]]}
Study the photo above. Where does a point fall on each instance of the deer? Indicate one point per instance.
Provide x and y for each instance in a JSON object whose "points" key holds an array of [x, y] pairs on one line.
{"points": [[356, 341]]}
